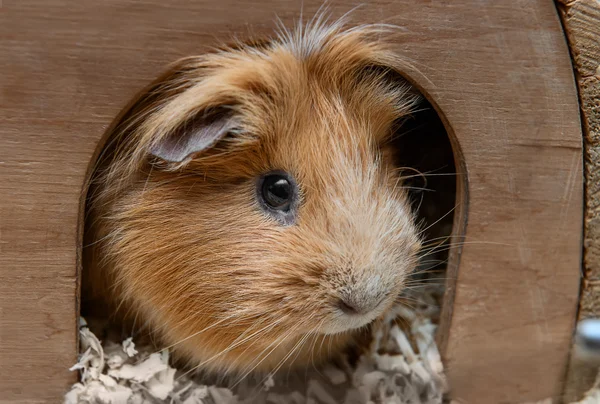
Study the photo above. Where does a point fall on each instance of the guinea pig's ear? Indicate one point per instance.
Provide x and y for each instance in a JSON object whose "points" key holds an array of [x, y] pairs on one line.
{"points": [[196, 135]]}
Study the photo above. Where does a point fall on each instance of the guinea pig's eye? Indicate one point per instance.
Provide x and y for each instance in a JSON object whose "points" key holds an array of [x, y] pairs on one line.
{"points": [[278, 193]]}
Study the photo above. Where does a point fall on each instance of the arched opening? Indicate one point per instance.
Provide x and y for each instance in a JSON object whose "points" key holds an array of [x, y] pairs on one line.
{"points": [[436, 183], [437, 186]]}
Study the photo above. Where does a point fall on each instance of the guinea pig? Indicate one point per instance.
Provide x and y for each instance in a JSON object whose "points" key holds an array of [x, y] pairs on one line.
{"points": [[247, 209]]}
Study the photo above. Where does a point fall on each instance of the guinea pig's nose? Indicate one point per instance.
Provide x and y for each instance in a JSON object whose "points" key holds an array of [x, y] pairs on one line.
{"points": [[355, 305]]}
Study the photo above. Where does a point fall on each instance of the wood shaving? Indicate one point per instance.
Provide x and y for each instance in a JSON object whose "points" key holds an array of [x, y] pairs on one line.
{"points": [[398, 367], [593, 395]]}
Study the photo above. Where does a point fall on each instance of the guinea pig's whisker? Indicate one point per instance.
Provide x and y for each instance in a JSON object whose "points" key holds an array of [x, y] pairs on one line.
{"points": [[450, 246], [189, 336], [426, 284], [424, 281], [403, 169], [418, 208], [435, 242], [439, 247], [207, 313], [281, 340], [404, 298], [313, 347], [233, 345], [278, 342], [421, 264], [425, 272], [439, 220], [311, 333], [323, 341], [431, 173], [201, 364], [269, 328], [292, 351], [428, 174], [400, 133], [462, 243], [264, 330], [418, 189]]}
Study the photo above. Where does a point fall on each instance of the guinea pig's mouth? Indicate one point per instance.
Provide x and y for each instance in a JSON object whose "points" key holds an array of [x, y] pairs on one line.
{"points": [[342, 321]]}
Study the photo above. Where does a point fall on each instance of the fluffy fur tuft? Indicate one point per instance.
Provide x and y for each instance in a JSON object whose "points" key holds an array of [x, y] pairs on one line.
{"points": [[184, 245]]}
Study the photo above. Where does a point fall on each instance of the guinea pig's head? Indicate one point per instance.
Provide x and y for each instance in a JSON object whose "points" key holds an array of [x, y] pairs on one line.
{"points": [[249, 205]]}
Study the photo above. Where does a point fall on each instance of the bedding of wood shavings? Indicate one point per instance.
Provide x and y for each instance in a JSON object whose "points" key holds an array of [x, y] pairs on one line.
{"points": [[401, 365], [592, 396]]}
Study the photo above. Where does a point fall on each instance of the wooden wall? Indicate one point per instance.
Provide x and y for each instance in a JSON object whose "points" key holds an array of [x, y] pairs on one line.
{"points": [[581, 20], [499, 72]]}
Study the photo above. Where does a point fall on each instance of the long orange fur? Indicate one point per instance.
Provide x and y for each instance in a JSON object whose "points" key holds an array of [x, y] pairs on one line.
{"points": [[185, 248]]}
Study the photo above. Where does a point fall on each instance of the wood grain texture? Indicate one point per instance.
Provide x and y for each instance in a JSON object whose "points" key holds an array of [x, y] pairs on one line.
{"points": [[499, 71], [581, 20]]}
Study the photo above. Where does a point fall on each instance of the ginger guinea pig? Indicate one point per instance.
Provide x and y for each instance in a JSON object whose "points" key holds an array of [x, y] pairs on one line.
{"points": [[247, 210]]}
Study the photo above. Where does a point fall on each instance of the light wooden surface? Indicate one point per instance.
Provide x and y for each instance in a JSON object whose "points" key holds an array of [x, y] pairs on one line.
{"points": [[581, 20], [499, 71]]}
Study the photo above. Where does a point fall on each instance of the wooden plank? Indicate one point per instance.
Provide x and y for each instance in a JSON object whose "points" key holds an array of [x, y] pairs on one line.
{"points": [[581, 20], [500, 73]]}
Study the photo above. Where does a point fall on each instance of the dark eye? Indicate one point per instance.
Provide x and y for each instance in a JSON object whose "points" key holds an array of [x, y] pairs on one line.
{"points": [[278, 194]]}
